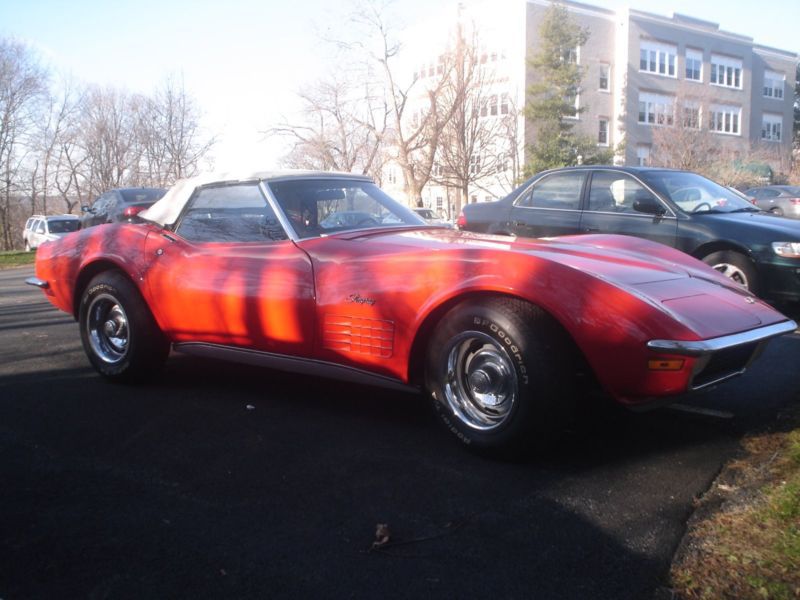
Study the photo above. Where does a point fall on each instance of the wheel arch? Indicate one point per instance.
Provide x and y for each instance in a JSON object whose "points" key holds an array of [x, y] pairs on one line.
{"points": [[416, 358], [720, 246], [88, 272]]}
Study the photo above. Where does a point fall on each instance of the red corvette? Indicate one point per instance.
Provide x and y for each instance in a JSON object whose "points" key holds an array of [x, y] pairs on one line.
{"points": [[323, 273]]}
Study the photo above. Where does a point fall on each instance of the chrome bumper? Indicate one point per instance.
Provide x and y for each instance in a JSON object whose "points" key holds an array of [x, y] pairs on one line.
{"points": [[36, 282], [722, 358], [700, 347]]}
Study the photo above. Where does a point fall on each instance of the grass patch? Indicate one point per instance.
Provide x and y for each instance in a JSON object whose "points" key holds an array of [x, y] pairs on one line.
{"points": [[16, 259], [745, 541]]}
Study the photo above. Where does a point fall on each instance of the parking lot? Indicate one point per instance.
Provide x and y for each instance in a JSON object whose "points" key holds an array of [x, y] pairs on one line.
{"points": [[222, 480]]}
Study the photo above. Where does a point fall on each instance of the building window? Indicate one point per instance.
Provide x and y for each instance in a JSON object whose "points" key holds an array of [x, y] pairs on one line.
{"points": [[502, 163], [474, 164], [655, 109], [437, 170], [473, 199], [487, 198], [493, 105], [643, 155], [571, 55], [605, 78], [391, 176], [602, 132], [725, 119], [569, 102], [726, 71], [694, 65], [691, 115], [658, 58], [504, 104], [771, 127], [439, 204], [774, 84]]}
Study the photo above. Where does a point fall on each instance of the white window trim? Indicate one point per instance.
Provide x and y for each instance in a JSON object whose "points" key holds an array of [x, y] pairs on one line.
{"points": [[608, 132], [694, 54], [778, 83], [606, 90], [727, 62], [725, 109], [772, 119], [659, 48], [655, 101]]}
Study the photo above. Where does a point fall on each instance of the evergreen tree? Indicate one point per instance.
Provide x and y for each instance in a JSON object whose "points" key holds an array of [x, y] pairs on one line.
{"points": [[552, 97]]}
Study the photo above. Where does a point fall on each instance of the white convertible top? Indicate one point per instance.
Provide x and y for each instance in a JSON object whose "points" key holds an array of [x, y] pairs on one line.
{"points": [[167, 210]]}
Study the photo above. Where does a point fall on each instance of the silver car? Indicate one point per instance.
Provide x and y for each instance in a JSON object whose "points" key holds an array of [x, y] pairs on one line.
{"points": [[781, 200], [40, 229]]}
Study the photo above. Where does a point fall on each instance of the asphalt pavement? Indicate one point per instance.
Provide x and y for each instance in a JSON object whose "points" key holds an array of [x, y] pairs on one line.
{"points": [[218, 480]]}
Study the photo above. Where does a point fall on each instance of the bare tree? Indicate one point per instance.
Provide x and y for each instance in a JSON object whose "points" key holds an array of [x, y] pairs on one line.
{"points": [[418, 109], [472, 147], [342, 129], [22, 83], [171, 143]]}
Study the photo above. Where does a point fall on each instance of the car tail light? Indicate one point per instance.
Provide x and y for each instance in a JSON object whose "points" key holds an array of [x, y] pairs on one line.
{"points": [[132, 211], [461, 221], [794, 200]]}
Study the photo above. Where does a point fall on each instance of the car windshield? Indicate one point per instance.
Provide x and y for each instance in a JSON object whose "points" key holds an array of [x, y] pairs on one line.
{"points": [[63, 225], [142, 195], [694, 193], [317, 207]]}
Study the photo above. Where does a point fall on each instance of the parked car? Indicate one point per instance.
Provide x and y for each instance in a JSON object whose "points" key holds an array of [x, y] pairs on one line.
{"points": [[433, 217], [781, 200], [41, 228], [497, 330], [119, 205], [677, 208]]}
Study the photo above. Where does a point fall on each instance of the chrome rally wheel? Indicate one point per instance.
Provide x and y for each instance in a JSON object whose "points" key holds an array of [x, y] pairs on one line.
{"points": [[481, 385], [107, 329]]}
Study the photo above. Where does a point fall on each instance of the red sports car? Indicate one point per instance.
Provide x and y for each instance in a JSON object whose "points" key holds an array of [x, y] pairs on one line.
{"points": [[323, 273]]}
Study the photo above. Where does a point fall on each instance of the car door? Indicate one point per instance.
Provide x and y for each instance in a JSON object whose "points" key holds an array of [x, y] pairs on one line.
{"points": [[229, 274], [39, 234], [615, 203], [550, 207]]}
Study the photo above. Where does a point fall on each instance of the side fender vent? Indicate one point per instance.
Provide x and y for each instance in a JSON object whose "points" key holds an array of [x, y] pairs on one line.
{"points": [[356, 334]]}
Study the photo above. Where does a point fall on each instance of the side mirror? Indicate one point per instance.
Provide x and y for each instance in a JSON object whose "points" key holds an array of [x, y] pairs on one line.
{"points": [[86, 208], [648, 205]]}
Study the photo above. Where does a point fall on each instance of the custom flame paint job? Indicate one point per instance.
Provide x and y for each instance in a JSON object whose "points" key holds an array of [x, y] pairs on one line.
{"points": [[369, 299]]}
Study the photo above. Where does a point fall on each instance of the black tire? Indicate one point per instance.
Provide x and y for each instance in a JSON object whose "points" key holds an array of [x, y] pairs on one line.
{"points": [[118, 331], [777, 211], [507, 352], [736, 266]]}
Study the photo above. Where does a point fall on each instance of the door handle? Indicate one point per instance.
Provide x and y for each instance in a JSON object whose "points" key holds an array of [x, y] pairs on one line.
{"points": [[518, 224], [590, 229]]}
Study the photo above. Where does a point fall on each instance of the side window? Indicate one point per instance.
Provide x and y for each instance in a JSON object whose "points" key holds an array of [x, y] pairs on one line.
{"points": [[769, 193], [29, 223], [40, 227], [561, 190], [616, 192], [100, 204], [233, 213]]}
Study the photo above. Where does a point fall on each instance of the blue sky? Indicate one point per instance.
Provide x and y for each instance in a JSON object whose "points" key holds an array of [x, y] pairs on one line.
{"points": [[243, 60]]}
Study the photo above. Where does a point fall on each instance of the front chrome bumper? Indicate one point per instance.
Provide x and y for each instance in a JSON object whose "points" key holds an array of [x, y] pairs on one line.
{"points": [[722, 358], [701, 347], [36, 282]]}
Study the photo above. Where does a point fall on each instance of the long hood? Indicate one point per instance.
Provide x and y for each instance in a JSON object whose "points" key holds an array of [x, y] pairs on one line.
{"points": [[622, 259]]}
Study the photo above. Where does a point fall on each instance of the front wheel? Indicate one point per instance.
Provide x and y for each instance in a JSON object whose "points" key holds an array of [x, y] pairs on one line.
{"points": [[498, 373], [119, 334], [736, 266]]}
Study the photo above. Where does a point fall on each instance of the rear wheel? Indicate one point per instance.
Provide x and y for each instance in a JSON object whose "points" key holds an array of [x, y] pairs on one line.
{"points": [[119, 334], [777, 211], [498, 372], [736, 266]]}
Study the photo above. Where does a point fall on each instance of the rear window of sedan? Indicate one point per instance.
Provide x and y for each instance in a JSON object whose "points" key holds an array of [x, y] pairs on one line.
{"points": [[63, 225], [142, 195]]}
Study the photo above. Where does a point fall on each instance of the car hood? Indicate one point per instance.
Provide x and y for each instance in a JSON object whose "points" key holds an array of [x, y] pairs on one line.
{"points": [[673, 282], [621, 259], [777, 228]]}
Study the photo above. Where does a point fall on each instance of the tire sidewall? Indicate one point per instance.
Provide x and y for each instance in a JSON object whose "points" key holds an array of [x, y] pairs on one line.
{"points": [[99, 286], [740, 261], [515, 343]]}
